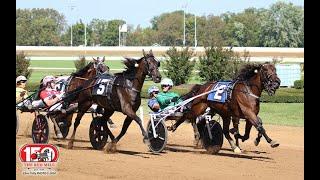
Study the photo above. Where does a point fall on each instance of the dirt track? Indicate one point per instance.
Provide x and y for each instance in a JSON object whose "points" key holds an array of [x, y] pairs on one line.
{"points": [[179, 161]]}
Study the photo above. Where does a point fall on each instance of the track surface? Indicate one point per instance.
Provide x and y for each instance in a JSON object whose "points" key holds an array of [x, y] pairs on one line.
{"points": [[179, 160]]}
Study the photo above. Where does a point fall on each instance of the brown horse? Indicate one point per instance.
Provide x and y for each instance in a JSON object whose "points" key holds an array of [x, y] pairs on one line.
{"points": [[244, 101], [74, 81], [125, 93]]}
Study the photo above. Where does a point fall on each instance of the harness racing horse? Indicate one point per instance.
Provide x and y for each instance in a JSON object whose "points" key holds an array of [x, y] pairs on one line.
{"points": [[69, 85], [244, 101], [125, 93]]}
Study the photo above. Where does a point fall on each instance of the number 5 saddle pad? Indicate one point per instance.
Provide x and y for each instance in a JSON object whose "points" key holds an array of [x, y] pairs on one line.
{"points": [[103, 85]]}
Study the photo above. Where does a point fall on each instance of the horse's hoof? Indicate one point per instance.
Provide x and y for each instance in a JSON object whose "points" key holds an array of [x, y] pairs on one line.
{"points": [[197, 144], [274, 144], [70, 145], [233, 131], [237, 150], [113, 126], [111, 148], [256, 143], [59, 135], [146, 141]]}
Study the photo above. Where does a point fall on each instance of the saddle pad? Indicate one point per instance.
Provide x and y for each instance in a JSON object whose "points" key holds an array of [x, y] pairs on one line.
{"points": [[103, 85], [220, 93]]}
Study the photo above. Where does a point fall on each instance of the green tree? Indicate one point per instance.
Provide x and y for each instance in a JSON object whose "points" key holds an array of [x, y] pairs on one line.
{"points": [[39, 27], [78, 37], [141, 37], [97, 27], [110, 37], [22, 65], [179, 65], [243, 29], [211, 31], [219, 64], [169, 28], [283, 26]]}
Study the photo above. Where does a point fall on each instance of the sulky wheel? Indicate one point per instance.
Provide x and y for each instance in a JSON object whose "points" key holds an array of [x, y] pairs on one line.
{"points": [[213, 145], [159, 143], [40, 130], [17, 122], [98, 133]]}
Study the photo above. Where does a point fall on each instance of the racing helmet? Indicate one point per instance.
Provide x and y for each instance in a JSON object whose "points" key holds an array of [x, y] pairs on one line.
{"points": [[21, 78], [153, 89], [47, 79], [166, 81]]}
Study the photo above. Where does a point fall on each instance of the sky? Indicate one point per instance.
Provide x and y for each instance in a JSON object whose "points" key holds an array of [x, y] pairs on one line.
{"points": [[141, 12]]}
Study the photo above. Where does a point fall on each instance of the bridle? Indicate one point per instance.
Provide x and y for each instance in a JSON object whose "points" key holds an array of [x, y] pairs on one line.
{"points": [[148, 69]]}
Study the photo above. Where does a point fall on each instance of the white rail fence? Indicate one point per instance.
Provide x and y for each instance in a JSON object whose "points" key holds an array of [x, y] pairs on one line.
{"points": [[257, 54]]}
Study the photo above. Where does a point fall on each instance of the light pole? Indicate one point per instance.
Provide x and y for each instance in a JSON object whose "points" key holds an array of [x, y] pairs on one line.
{"points": [[195, 31], [71, 8], [85, 34], [184, 28], [184, 23]]}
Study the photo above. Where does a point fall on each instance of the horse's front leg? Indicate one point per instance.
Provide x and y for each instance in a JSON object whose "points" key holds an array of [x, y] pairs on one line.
{"points": [[257, 123], [262, 132], [82, 110], [196, 142], [247, 131], [175, 125], [75, 126], [112, 146], [235, 130], [124, 129], [128, 110], [226, 124]]}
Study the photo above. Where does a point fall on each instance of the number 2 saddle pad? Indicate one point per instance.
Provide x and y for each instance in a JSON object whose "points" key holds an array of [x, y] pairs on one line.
{"points": [[221, 91]]}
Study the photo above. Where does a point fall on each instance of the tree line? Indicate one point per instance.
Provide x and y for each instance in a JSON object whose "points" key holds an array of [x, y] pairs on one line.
{"points": [[280, 25]]}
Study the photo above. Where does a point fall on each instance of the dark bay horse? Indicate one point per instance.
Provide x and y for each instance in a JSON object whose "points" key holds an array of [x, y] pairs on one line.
{"points": [[125, 93], [244, 102], [76, 79]]}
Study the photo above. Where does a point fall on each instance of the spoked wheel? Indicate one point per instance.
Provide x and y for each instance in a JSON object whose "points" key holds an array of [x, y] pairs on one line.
{"points": [[159, 143], [62, 123], [214, 143], [40, 130], [17, 122], [98, 133]]}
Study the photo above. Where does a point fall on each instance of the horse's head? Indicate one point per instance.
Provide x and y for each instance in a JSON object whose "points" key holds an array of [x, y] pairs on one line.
{"points": [[269, 78], [152, 66], [99, 65]]}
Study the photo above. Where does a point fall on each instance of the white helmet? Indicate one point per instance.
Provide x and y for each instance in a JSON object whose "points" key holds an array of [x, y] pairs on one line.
{"points": [[166, 81], [21, 78], [47, 79], [153, 89]]}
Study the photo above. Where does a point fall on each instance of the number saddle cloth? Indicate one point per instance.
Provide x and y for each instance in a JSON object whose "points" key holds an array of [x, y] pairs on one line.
{"points": [[222, 91], [103, 85]]}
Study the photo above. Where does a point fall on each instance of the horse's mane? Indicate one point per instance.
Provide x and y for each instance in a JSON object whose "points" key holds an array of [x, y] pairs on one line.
{"points": [[130, 70], [247, 71], [83, 70]]}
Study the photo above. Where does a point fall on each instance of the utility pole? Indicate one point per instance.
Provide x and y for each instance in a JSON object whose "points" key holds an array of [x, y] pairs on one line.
{"points": [[85, 34], [71, 8], [184, 28], [195, 31], [184, 23]]}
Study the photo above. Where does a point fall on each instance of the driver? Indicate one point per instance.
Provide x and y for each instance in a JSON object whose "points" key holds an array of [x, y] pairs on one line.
{"points": [[49, 95], [166, 97]]}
